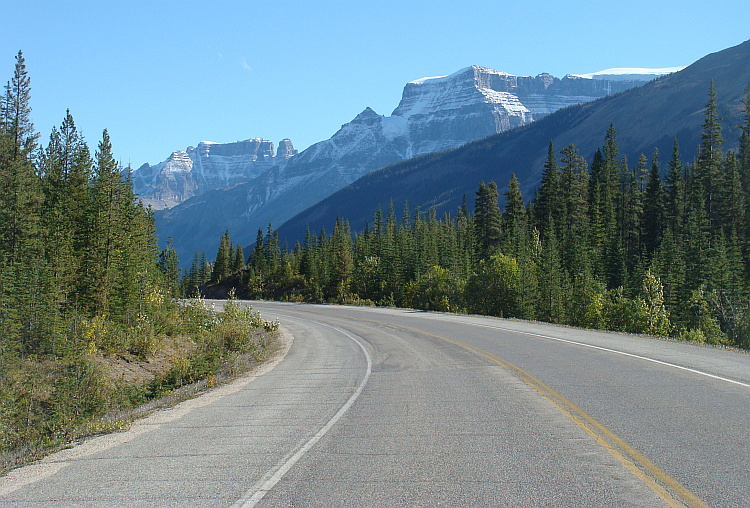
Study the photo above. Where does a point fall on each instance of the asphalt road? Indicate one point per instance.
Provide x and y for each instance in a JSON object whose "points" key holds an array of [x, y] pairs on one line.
{"points": [[385, 407]]}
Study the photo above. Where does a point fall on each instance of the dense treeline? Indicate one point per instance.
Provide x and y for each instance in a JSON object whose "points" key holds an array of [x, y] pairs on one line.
{"points": [[606, 244], [79, 272]]}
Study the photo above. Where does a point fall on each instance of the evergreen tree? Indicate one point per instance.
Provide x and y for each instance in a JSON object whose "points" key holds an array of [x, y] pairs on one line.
{"points": [[732, 197], [204, 270], [487, 220], [708, 165], [169, 266], [675, 189], [222, 260], [630, 210], [239, 259], [653, 209], [697, 237], [573, 229], [106, 230], [514, 219], [553, 281], [341, 260], [19, 190], [258, 257], [545, 203]]}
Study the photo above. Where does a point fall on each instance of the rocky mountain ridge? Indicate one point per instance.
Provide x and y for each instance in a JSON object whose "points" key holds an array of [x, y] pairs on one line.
{"points": [[208, 166], [434, 114]]}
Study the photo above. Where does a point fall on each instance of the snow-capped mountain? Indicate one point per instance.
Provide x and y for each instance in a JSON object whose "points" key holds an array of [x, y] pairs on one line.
{"points": [[434, 114], [208, 166]]}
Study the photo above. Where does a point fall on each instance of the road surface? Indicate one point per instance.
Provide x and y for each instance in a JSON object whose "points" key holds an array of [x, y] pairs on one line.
{"points": [[387, 407]]}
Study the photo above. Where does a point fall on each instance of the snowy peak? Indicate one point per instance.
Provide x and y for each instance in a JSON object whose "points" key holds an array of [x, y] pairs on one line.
{"points": [[443, 112], [207, 166], [629, 73]]}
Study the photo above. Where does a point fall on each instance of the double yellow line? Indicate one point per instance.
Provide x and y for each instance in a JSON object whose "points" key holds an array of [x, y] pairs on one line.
{"points": [[648, 472], [667, 488]]}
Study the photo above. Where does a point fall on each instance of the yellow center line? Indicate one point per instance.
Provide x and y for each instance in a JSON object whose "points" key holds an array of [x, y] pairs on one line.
{"points": [[648, 472]]}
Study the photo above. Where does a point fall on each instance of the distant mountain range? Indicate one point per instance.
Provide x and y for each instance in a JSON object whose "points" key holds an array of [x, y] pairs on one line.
{"points": [[647, 117], [242, 186]]}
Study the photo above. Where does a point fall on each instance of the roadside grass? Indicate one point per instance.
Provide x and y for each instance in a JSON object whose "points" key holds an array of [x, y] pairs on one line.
{"points": [[49, 403]]}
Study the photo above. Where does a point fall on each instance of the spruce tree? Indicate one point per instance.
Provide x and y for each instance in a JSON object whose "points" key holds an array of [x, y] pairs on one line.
{"points": [[258, 257], [19, 192], [732, 198], [514, 219], [487, 220], [675, 190], [239, 258], [103, 248], [708, 165], [545, 203], [169, 266], [573, 227], [653, 209], [221, 261]]}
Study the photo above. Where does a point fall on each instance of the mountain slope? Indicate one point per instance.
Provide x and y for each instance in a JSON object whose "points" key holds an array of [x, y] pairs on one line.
{"points": [[646, 117], [435, 114]]}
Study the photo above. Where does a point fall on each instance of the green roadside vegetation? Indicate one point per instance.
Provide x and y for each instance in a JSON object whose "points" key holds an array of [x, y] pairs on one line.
{"points": [[90, 325]]}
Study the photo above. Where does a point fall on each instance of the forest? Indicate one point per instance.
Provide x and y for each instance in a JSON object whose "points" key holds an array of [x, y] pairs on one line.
{"points": [[81, 282], [610, 244]]}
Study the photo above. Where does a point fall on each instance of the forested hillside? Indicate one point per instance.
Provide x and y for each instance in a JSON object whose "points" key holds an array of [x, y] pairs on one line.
{"points": [[606, 244]]}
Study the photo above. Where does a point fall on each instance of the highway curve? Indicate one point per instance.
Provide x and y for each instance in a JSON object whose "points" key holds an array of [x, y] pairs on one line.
{"points": [[386, 407]]}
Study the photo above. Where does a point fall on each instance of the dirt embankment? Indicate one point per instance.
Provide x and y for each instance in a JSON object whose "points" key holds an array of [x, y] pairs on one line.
{"points": [[132, 369]]}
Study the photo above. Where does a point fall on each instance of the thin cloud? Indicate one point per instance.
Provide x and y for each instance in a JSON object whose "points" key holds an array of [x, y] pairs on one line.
{"points": [[245, 65]]}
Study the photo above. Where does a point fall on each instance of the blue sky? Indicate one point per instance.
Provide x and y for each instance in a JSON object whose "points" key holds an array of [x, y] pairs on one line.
{"points": [[163, 75]]}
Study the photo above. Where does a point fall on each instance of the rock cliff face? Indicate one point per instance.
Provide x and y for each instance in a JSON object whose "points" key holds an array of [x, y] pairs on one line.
{"points": [[445, 112], [434, 114], [208, 166]]}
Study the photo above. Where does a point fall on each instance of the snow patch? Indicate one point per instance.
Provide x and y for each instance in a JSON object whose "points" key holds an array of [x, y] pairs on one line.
{"points": [[635, 73], [395, 127]]}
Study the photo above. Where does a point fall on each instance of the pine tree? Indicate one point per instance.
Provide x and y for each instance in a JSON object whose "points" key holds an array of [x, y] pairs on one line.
{"points": [[514, 219], [697, 237], [630, 210], [341, 258], [17, 112], [19, 193], [258, 257], [708, 165], [106, 227], [545, 204], [675, 190], [487, 220], [221, 262], [204, 269], [653, 209], [553, 281], [239, 259], [573, 227], [169, 266], [732, 198]]}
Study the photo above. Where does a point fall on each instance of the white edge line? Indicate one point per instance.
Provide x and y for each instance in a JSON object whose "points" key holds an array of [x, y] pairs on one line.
{"points": [[688, 369], [257, 492]]}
